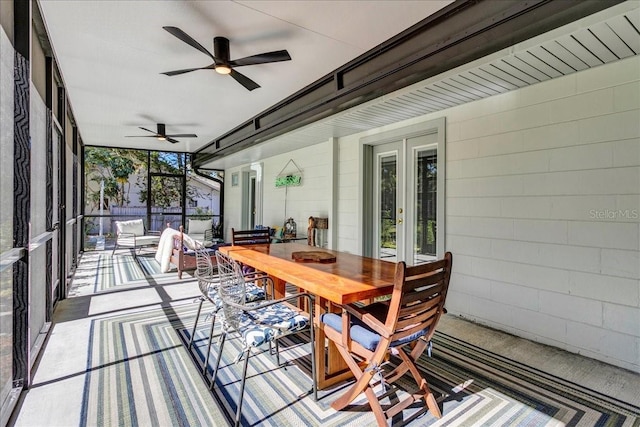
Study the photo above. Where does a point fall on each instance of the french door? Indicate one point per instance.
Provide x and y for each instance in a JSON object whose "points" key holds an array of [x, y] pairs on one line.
{"points": [[405, 206]]}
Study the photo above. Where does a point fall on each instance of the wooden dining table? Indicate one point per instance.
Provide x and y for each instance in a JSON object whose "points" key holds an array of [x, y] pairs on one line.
{"points": [[346, 279]]}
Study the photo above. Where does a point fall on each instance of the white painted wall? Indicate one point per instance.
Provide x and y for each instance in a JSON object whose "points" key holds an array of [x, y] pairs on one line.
{"points": [[312, 198], [543, 199], [530, 192]]}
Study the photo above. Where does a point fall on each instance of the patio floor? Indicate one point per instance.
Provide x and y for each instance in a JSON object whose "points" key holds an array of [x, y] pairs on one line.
{"points": [[58, 396]]}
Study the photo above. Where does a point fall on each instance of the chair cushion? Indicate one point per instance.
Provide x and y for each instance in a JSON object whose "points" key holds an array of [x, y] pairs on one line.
{"points": [[134, 226], [362, 334], [198, 226], [210, 251], [147, 240], [266, 324]]}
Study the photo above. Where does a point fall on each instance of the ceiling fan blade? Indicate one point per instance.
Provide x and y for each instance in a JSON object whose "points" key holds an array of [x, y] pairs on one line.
{"points": [[187, 70], [147, 130], [182, 135], [262, 58], [171, 140], [140, 136], [244, 80], [188, 40]]}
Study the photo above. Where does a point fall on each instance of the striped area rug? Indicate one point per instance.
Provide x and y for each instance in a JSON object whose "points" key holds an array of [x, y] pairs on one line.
{"points": [[141, 373], [113, 271], [476, 388]]}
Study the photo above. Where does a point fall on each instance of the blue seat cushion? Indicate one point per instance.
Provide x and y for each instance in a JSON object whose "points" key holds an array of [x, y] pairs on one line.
{"points": [[260, 326], [210, 251], [362, 334]]}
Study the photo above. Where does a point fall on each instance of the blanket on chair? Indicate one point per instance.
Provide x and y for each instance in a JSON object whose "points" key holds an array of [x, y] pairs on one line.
{"points": [[165, 247]]}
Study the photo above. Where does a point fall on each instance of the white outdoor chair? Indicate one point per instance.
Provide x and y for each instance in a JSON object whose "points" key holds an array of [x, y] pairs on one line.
{"points": [[132, 235]]}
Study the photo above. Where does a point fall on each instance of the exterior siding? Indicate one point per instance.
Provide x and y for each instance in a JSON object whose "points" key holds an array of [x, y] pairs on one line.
{"points": [[542, 209]]}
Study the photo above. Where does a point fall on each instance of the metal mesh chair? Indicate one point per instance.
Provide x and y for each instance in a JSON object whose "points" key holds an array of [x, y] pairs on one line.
{"points": [[257, 323], [208, 280]]}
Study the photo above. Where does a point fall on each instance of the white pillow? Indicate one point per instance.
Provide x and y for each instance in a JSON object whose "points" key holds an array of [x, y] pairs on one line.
{"points": [[135, 226], [198, 226]]}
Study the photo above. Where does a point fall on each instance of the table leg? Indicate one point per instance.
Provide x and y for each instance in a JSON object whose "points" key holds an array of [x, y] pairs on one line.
{"points": [[279, 287], [330, 366]]}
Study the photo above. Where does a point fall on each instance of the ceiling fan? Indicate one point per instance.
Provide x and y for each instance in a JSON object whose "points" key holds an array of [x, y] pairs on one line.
{"points": [[221, 58], [161, 134]]}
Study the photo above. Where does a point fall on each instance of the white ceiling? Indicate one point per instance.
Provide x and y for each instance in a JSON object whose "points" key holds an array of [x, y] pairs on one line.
{"points": [[610, 35], [111, 54]]}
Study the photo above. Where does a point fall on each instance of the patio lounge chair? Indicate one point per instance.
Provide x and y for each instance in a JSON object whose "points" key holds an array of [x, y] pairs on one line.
{"points": [[201, 230], [132, 235]]}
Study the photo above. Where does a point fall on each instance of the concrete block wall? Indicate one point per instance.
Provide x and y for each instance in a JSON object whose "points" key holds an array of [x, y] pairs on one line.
{"points": [[312, 198], [543, 205], [542, 210]]}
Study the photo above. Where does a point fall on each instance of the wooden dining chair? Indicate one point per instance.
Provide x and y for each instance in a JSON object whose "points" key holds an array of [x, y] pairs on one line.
{"points": [[402, 326], [250, 237], [257, 324]]}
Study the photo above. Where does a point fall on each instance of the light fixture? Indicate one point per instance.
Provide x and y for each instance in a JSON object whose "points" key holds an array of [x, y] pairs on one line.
{"points": [[223, 69], [161, 138]]}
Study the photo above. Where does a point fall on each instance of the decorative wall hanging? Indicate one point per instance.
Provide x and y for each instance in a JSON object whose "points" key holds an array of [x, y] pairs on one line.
{"points": [[289, 179]]}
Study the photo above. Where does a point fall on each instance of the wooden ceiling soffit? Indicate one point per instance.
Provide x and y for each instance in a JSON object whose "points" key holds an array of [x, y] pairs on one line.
{"points": [[462, 32]]}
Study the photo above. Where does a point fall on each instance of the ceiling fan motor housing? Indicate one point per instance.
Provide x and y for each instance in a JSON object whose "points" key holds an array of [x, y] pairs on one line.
{"points": [[221, 49]]}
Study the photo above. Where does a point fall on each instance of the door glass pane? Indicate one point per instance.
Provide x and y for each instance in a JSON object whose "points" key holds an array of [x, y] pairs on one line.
{"points": [[387, 196], [166, 202], [424, 228]]}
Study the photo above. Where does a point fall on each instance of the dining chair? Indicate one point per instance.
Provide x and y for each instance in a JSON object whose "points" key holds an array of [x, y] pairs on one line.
{"points": [[402, 326], [208, 281], [257, 323], [250, 237]]}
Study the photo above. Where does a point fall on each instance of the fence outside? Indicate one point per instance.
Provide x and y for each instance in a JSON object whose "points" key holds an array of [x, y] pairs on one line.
{"points": [[159, 219]]}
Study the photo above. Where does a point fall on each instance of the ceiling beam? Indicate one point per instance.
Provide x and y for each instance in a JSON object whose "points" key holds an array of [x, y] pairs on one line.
{"points": [[462, 32]]}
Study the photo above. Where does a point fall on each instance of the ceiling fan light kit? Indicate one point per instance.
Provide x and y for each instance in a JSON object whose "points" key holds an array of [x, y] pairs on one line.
{"points": [[223, 69]]}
